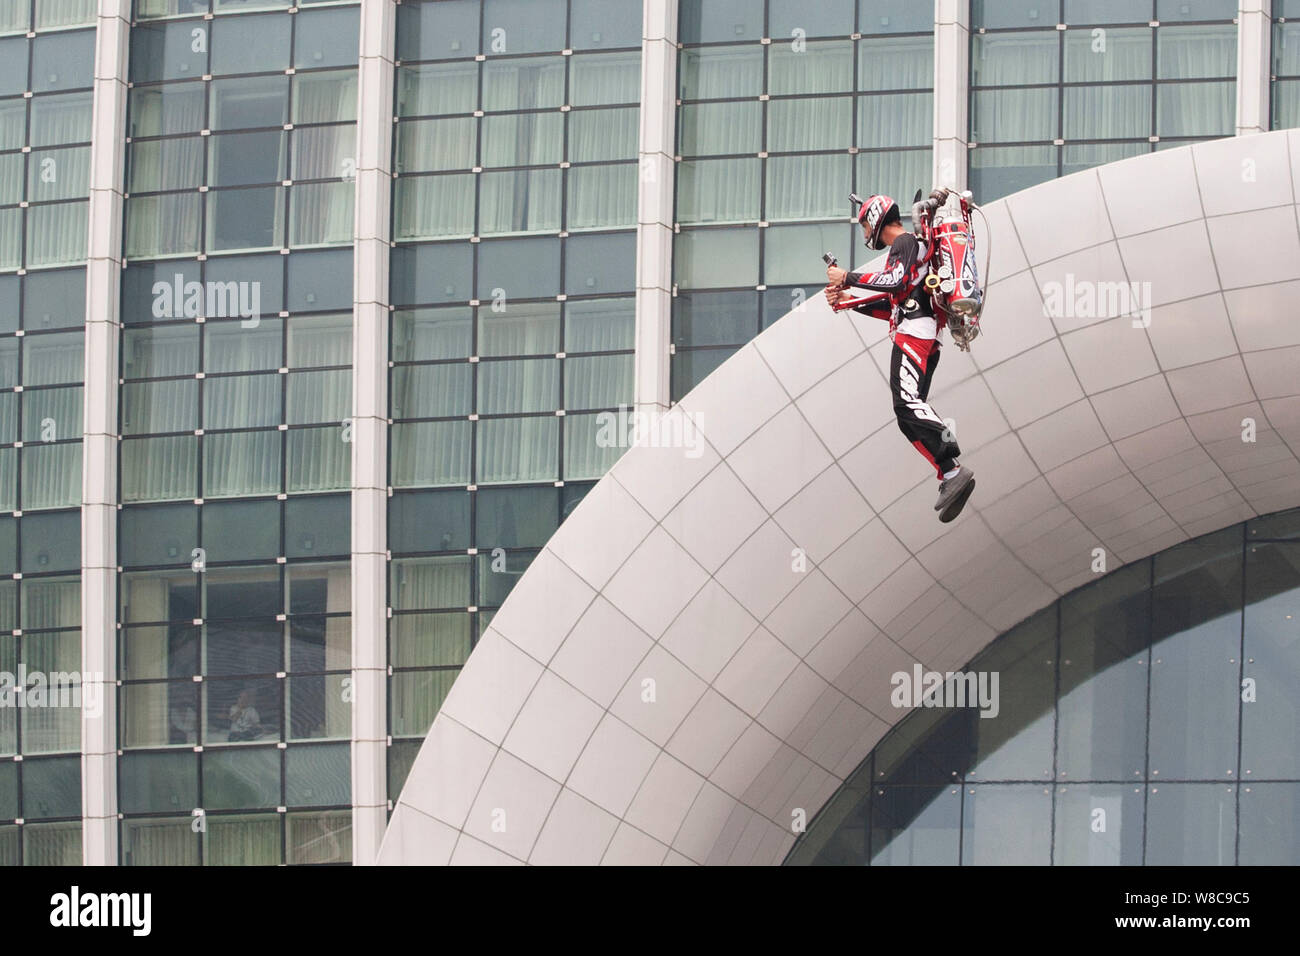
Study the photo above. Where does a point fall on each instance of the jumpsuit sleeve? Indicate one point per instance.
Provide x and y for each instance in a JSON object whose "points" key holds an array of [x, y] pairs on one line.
{"points": [[893, 278]]}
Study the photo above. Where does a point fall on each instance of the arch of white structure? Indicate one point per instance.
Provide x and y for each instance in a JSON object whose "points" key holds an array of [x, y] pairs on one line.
{"points": [[703, 650]]}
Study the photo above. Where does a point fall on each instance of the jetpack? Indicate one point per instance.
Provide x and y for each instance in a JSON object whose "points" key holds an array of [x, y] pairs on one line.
{"points": [[948, 273]]}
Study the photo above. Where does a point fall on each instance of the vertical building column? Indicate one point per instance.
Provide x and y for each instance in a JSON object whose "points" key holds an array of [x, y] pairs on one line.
{"points": [[100, 440], [951, 91], [1254, 33], [654, 229], [370, 429]]}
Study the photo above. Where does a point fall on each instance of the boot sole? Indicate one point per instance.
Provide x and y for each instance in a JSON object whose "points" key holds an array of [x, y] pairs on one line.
{"points": [[957, 504], [956, 495]]}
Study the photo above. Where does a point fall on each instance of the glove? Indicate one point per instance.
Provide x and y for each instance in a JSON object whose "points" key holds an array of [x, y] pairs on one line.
{"points": [[939, 195]]}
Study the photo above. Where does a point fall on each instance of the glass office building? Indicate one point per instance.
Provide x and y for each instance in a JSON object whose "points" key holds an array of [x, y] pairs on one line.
{"points": [[1055, 91], [295, 290], [1146, 719]]}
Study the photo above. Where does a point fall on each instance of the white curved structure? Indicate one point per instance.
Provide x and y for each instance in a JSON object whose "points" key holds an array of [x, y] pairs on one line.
{"points": [[703, 650]]}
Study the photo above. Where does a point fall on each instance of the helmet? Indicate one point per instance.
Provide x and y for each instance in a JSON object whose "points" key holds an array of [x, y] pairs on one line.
{"points": [[876, 213]]}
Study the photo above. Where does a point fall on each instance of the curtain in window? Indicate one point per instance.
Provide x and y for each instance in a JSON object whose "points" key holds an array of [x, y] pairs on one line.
{"points": [[51, 604], [159, 469], [153, 9], [319, 397], [55, 728], [523, 139], [805, 124], [232, 348], [896, 63], [421, 583], [13, 123], [721, 73], [1126, 56], [57, 234], [528, 385], [162, 225], [429, 640], [1195, 109], [523, 84], [321, 214], [1286, 104], [166, 164], [427, 145], [320, 340], [166, 110], [51, 475], [320, 837], [241, 401], [14, 16], [323, 152], [53, 359], [59, 174], [11, 238], [431, 391], [58, 120], [602, 197], [583, 457], [599, 381], [64, 13], [8, 619], [523, 201], [603, 135], [520, 330], [417, 697], [146, 714], [318, 459], [806, 187], [599, 326], [517, 449], [62, 406], [160, 352], [898, 173], [1108, 112], [430, 453], [437, 89], [325, 97], [1193, 52], [52, 844], [1008, 116], [159, 843], [893, 120], [242, 841], [433, 207], [605, 78], [718, 190], [246, 463], [719, 129], [154, 407], [1015, 59], [825, 67]]}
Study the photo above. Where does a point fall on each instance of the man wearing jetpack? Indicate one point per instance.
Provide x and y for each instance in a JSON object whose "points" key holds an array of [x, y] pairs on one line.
{"points": [[901, 294]]}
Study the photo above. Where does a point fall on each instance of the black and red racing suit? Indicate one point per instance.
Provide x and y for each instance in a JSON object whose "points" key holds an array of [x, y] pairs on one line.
{"points": [[915, 332]]}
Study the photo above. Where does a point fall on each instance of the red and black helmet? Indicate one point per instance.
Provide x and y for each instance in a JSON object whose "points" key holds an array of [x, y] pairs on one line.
{"points": [[875, 213]]}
